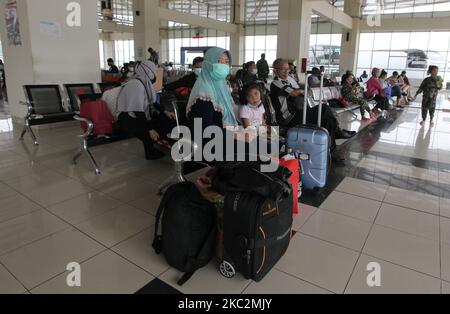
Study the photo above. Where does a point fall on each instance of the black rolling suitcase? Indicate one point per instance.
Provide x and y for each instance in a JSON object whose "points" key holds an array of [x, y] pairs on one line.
{"points": [[257, 219]]}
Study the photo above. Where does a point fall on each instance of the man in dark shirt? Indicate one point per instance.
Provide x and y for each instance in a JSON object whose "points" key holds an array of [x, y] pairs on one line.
{"points": [[113, 69], [187, 82], [263, 68], [288, 100]]}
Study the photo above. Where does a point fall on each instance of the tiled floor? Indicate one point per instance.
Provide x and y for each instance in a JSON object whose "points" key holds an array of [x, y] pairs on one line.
{"points": [[389, 204]]}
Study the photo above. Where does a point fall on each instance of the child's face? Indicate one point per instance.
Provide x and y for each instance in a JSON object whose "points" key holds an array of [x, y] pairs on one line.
{"points": [[254, 97]]}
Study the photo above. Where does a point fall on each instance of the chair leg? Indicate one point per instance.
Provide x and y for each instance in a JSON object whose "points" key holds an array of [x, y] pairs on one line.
{"points": [[92, 161], [85, 150], [177, 177], [33, 136], [27, 128]]}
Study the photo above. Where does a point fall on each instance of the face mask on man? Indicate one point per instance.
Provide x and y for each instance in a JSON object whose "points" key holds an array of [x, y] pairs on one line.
{"points": [[254, 71], [220, 71], [198, 71]]}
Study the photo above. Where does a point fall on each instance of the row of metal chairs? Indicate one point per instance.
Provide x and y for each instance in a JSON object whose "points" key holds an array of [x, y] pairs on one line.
{"points": [[46, 104]]}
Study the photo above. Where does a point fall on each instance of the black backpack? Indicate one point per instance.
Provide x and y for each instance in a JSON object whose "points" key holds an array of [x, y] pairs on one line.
{"points": [[189, 228]]}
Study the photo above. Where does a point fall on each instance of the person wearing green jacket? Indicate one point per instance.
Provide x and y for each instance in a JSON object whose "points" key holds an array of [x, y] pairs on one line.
{"points": [[430, 88]]}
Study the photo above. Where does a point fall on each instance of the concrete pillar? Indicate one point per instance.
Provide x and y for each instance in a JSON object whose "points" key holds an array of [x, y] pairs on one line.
{"points": [[294, 29], [54, 48], [237, 38], [350, 37], [146, 27]]}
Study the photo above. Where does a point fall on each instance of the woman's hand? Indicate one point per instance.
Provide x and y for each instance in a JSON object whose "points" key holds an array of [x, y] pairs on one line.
{"points": [[205, 182], [170, 115], [154, 135], [297, 93]]}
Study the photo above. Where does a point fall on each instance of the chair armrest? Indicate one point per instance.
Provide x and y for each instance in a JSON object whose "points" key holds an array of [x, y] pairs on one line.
{"points": [[176, 110], [90, 126], [29, 107]]}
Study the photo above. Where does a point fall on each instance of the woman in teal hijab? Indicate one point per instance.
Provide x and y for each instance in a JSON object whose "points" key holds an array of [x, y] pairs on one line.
{"points": [[211, 98]]}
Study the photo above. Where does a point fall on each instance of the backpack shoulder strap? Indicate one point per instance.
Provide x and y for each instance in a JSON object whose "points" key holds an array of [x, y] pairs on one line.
{"points": [[196, 263], [157, 239]]}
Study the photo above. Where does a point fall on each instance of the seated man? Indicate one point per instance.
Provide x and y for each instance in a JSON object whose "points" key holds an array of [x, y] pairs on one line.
{"points": [[314, 79], [185, 84], [287, 99], [113, 69], [350, 94]]}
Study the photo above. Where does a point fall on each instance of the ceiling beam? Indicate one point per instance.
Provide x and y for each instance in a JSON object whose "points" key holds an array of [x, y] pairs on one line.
{"points": [[195, 20], [326, 10]]}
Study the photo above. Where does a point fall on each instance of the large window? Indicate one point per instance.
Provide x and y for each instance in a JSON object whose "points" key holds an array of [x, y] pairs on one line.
{"points": [[118, 11], [325, 45], [258, 40], [213, 9], [408, 8], [410, 51], [193, 37], [261, 11], [261, 32], [123, 51], [101, 48]]}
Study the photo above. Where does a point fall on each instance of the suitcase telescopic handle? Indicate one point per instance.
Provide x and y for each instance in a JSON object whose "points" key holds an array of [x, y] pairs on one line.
{"points": [[305, 105], [319, 122]]}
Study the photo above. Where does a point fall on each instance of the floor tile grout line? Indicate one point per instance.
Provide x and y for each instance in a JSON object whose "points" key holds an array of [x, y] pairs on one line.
{"points": [[365, 253], [345, 215], [304, 280], [384, 202], [307, 219], [12, 274], [352, 194], [247, 286], [362, 248], [44, 208], [327, 241], [402, 266], [411, 234], [377, 224]]}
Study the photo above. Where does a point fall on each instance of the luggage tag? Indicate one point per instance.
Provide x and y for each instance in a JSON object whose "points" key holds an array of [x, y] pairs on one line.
{"points": [[311, 102]]}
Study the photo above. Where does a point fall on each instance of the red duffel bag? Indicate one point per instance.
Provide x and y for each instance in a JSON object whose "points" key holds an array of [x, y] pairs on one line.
{"points": [[98, 112]]}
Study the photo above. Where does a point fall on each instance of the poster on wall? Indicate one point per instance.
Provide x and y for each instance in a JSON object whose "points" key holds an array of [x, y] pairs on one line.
{"points": [[12, 23], [51, 29]]}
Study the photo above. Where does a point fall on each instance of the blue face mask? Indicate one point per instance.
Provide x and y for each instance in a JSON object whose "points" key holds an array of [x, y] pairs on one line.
{"points": [[255, 71], [220, 71], [198, 71]]}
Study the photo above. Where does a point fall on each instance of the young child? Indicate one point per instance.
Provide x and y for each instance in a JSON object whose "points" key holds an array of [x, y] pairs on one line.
{"points": [[430, 88], [253, 114]]}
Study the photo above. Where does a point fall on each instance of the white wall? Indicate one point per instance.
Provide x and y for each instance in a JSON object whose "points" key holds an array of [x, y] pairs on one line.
{"points": [[72, 57]]}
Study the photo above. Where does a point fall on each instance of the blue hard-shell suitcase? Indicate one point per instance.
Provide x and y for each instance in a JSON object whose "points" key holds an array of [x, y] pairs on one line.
{"points": [[312, 145]]}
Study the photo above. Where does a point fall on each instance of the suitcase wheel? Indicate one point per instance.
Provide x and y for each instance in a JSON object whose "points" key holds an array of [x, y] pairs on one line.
{"points": [[227, 270]]}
